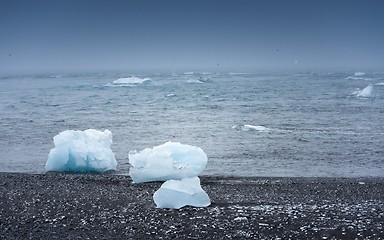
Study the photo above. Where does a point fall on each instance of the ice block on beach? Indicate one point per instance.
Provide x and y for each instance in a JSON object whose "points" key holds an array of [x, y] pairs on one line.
{"points": [[180, 193], [171, 160], [82, 151]]}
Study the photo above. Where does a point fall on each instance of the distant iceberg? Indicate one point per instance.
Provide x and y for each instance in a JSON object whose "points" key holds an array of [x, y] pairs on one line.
{"points": [[367, 92], [356, 92], [131, 81], [359, 74], [82, 151], [179, 193], [194, 81], [258, 128], [239, 73], [171, 160]]}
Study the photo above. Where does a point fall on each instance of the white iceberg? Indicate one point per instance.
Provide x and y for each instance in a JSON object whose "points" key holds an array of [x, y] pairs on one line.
{"points": [[180, 193], [131, 81], [358, 74], [82, 151], [171, 160], [367, 92], [258, 128], [356, 92]]}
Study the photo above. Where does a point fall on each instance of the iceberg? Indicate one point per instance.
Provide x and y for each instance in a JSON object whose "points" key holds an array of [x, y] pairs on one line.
{"points": [[356, 92], [358, 74], [171, 160], [82, 151], [179, 193], [367, 92], [131, 81], [248, 127]]}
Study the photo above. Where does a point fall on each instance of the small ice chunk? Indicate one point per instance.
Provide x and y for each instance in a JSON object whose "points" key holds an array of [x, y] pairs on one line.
{"points": [[131, 80], [358, 74], [171, 160], [367, 92], [248, 127], [82, 151], [356, 92], [179, 193]]}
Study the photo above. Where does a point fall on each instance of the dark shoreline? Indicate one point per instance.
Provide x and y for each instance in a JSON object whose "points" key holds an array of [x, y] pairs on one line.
{"points": [[107, 206]]}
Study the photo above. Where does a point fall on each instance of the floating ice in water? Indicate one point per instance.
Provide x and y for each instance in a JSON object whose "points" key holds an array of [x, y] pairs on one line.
{"points": [[248, 127], [171, 160], [180, 193], [367, 92], [359, 74], [356, 92], [82, 151], [194, 81], [239, 73], [131, 81]]}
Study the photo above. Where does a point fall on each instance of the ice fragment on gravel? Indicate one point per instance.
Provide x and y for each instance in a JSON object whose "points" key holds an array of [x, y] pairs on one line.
{"points": [[82, 151], [171, 160], [180, 193]]}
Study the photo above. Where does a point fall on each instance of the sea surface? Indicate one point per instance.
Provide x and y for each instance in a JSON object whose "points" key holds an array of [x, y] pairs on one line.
{"points": [[249, 124]]}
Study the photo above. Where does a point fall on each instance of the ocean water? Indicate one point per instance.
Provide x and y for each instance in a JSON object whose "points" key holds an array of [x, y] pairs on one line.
{"points": [[249, 124]]}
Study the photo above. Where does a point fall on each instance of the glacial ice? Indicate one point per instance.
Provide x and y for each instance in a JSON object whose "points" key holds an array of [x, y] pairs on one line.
{"points": [[131, 81], [171, 160], [258, 128], [180, 193], [358, 74], [356, 92], [367, 92], [82, 151]]}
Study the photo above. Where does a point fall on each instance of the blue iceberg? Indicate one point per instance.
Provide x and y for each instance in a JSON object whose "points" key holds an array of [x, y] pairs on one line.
{"points": [[171, 160], [179, 193], [82, 151]]}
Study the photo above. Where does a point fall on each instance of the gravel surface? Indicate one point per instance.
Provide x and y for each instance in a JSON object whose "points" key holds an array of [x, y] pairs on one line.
{"points": [[107, 206]]}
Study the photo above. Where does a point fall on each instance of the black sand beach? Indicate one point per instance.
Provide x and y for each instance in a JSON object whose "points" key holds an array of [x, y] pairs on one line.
{"points": [[90, 206]]}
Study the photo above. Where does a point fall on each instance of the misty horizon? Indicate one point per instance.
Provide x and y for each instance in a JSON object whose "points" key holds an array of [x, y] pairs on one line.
{"points": [[47, 36]]}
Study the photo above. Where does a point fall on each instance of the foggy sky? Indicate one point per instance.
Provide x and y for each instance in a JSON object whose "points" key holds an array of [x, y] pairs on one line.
{"points": [[53, 35]]}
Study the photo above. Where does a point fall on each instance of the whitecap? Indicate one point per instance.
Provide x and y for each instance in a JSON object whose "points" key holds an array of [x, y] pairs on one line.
{"points": [[357, 78]]}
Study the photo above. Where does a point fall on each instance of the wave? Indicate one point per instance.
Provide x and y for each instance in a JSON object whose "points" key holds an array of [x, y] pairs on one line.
{"points": [[357, 78]]}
